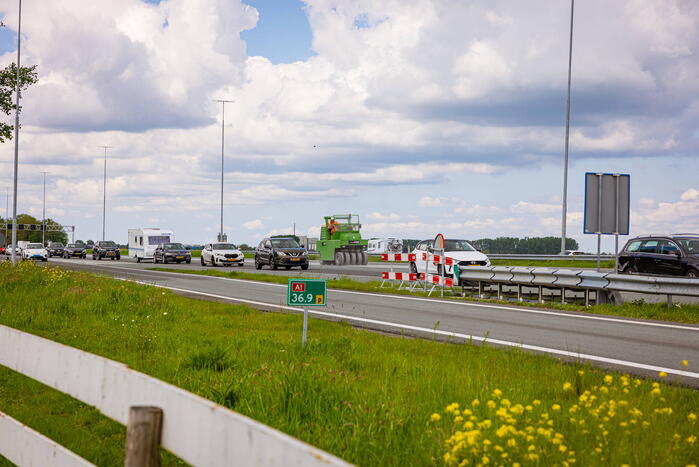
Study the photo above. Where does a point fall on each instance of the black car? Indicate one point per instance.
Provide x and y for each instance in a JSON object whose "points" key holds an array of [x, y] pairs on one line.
{"points": [[55, 249], [671, 255], [172, 252], [277, 252], [106, 249], [74, 250]]}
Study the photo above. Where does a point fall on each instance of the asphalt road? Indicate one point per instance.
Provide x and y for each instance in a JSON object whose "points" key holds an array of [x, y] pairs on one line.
{"points": [[635, 346]]}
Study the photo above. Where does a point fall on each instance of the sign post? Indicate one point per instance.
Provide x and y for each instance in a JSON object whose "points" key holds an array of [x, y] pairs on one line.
{"points": [[607, 199], [306, 292], [438, 247]]}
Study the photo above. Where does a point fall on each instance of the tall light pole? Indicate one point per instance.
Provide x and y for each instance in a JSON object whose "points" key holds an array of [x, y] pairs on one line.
{"points": [[43, 214], [7, 211], [221, 236], [104, 191], [14, 192], [565, 162]]}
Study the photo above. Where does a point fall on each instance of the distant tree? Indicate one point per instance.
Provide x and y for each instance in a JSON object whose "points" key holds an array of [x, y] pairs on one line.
{"points": [[8, 78], [523, 246], [79, 242], [90, 243], [409, 244], [245, 246]]}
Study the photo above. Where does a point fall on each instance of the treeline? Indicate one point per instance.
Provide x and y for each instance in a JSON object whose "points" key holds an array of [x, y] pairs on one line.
{"points": [[512, 245]]}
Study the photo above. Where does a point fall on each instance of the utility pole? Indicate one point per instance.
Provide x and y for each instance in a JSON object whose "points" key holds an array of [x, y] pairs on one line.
{"points": [[221, 236], [14, 195], [7, 212], [43, 215], [565, 163], [104, 191]]}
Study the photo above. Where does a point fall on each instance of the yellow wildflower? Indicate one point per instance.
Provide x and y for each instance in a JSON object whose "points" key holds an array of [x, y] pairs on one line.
{"points": [[662, 374], [497, 393], [692, 439], [475, 403], [556, 407], [490, 404], [567, 386], [685, 362], [435, 417], [692, 417], [536, 402], [608, 379]]}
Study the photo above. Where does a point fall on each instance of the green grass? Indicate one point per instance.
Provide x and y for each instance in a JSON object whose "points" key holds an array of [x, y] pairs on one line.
{"points": [[680, 313], [365, 397]]}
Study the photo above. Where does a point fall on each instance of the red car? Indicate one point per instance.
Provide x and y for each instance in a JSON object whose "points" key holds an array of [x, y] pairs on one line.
{"points": [[3, 251]]}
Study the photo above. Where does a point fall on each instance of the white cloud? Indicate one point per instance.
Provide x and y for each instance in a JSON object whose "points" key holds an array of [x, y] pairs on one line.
{"points": [[253, 225]]}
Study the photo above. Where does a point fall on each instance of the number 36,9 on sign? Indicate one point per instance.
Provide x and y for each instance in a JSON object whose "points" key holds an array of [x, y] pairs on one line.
{"points": [[306, 292]]}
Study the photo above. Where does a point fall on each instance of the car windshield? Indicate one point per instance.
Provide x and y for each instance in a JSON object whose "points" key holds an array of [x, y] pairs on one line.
{"points": [[224, 246], [174, 246], [284, 243], [690, 244], [56, 245], [108, 243], [457, 245], [35, 246]]}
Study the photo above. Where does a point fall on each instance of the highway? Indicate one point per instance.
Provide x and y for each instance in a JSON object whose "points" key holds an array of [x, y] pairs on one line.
{"points": [[634, 346]]}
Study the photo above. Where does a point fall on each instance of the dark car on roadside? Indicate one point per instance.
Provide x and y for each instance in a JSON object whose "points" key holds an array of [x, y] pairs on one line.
{"points": [[74, 250], [55, 249], [172, 253], [284, 251], [106, 249], [669, 255]]}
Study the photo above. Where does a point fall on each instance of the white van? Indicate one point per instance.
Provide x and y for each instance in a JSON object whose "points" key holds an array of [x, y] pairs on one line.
{"points": [[143, 242]]}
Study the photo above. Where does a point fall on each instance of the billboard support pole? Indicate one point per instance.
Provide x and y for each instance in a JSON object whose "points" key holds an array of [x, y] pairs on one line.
{"points": [[616, 231], [599, 220]]}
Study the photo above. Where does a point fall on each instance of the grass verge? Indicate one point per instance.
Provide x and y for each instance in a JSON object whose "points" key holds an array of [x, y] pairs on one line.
{"points": [[368, 398], [679, 313]]}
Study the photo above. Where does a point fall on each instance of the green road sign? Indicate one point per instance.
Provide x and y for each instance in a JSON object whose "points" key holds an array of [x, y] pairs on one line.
{"points": [[306, 292]]}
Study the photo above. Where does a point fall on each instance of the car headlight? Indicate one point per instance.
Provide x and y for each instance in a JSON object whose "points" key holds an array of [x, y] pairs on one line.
{"points": [[280, 253]]}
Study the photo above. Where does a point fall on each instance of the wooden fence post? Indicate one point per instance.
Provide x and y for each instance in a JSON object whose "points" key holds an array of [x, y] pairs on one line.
{"points": [[143, 437]]}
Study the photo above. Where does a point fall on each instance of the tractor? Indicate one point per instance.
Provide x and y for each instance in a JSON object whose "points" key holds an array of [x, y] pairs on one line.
{"points": [[340, 242]]}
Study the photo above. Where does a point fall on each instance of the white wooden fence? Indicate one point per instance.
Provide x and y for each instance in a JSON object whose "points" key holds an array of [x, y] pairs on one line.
{"points": [[194, 429]]}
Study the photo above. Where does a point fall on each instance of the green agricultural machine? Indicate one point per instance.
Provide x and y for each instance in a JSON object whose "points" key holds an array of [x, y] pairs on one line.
{"points": [[340, 241]]}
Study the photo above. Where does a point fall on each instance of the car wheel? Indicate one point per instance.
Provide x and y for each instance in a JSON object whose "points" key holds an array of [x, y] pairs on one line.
{"points": [[304, 267], [201, 260], [630, 270], [112, 258], [287, 267], [339, 258], [164, 260], [257, 264], [413, 268], [692, 273], [240, 265], [188, 261], [138, 259], [273, 264]]}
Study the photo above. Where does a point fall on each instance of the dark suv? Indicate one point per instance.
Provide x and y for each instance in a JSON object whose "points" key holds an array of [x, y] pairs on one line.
{"points": [[106, 249], [55, 249], [280, 252], [174, 252], [671, 255], [74, 250]]}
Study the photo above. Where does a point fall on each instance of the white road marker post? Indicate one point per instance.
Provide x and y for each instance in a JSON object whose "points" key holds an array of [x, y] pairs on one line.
{"points": [[305, 326]]}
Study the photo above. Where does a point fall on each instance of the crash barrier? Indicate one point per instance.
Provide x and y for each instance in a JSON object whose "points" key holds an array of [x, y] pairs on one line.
{"points": [[195, 429], [606, 286], [551, 257]]}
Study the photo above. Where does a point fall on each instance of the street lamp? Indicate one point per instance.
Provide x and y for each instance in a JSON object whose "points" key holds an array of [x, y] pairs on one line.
{"points": [[43, 214], [14, 196], [565, 163], [222, 236], [104, 190]]}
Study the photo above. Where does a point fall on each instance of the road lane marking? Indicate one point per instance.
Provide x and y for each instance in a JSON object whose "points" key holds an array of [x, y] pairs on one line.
{"points": [[576, 315], [563, 353]]}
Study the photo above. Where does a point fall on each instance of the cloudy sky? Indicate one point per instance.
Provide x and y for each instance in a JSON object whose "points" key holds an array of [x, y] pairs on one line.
{"points": [[419, 115]]}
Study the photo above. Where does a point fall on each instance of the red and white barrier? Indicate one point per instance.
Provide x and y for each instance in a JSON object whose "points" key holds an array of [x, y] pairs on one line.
{"points": [[439, 259], [439, 280], [401, 276], [398, 257]]}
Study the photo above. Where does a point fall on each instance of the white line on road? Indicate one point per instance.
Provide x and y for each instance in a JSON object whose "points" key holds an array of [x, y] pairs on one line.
{"points": [[575, 315], [563, 353]]}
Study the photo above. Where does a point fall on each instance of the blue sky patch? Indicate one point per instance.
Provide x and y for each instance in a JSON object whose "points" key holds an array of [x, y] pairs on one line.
{"points": [[282, 34]]}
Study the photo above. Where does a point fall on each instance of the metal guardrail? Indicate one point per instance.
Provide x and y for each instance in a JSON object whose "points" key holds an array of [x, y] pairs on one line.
{"points": [[551, 257], [605, 285]]}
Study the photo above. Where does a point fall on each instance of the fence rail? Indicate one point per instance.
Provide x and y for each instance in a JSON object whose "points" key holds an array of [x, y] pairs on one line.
{"points": [[194, 429], [605, 284], [552, 257]]}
